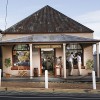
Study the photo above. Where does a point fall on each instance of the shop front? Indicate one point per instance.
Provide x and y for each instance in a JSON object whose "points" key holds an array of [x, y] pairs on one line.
{"points": [[43, 41], [32, 59]]}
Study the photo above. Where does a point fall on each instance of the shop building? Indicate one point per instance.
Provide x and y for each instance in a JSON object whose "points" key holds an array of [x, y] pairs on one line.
{"points": [[44, 40]]}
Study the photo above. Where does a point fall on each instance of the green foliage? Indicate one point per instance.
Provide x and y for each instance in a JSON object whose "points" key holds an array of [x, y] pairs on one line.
{"points": [[89, 64], [7, 62]]}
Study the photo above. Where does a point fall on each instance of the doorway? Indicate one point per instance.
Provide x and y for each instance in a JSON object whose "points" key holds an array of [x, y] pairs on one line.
{"points": [[47, 60]]}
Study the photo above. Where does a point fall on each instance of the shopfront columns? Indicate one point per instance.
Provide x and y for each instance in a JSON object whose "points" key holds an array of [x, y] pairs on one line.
{"points": [[64, 59], [97, 51], [31, 65]]}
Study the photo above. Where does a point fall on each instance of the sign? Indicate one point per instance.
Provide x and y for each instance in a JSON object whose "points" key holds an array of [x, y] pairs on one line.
{"points": [[35, 52], [47, 46]]}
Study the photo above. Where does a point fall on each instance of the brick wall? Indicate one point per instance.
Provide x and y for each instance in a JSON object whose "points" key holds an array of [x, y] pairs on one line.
{"points": [[86, 35]]}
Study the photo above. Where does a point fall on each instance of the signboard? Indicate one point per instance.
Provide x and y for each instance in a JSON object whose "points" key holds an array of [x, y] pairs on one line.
{"points": [[47, 46]]}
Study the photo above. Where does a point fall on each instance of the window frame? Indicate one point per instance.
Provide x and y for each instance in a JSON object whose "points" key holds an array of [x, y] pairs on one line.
{"points": [[16, 67], [76, 49]]}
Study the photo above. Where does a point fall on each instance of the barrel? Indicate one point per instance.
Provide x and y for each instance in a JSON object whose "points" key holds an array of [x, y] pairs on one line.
{"points": [[35, 72]]}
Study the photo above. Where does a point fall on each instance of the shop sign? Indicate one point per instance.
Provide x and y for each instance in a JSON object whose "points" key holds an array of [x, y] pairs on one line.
{"points": [[47, 46]]}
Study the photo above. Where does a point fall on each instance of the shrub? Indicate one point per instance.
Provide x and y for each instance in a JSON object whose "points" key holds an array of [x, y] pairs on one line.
{"points": [[89, 64], [7, 62]]}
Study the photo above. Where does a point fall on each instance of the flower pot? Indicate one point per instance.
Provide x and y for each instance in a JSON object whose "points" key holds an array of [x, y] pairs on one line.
{"points": [[7, 75], [89, 74]]}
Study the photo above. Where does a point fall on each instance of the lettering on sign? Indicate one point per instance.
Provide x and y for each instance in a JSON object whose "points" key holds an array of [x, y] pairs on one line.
{"points": [[47, 46]]}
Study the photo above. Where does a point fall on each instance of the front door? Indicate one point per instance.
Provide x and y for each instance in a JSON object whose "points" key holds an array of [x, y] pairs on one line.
{"points": [[47, 60]]}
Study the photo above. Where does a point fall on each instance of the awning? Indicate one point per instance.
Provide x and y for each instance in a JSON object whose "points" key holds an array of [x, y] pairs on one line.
{"points": [[51, 38]]}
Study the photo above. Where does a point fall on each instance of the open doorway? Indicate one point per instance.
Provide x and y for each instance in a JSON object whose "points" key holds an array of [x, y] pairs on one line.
{"points": [[47, 58]]}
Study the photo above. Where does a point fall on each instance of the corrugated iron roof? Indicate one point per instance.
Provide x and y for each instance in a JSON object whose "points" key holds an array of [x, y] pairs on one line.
{"points": [[48, 20], [51, 38]]}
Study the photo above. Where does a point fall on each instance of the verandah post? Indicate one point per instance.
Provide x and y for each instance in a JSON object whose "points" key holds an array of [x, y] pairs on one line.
{"points": [[64, 59], [0, 77], [97, 50], [31, 65]]}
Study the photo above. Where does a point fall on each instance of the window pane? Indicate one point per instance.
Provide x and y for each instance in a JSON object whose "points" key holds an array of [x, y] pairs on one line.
{"points": [[21, 55], [75, 48], [15, 47], [79, 47], [71, 46], [21, 58], [21, 47]]}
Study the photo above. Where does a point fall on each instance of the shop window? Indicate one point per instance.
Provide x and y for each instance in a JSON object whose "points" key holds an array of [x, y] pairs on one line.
{"points": [[21, 56], [75, 48]]}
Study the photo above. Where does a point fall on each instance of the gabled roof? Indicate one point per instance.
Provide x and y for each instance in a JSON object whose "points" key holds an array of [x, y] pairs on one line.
{"points": [[51, 38], [48, 20]]}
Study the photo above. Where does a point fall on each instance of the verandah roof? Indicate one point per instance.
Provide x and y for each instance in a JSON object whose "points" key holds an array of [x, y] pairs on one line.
{"points": [[50, 38]]}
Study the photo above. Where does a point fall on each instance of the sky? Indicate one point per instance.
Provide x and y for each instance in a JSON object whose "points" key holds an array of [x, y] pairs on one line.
{"points": [[86, 12]]}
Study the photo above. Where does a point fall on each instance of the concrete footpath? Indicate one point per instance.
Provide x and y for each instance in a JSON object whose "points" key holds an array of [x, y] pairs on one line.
{"points": [[12, 90], [26, 86]]}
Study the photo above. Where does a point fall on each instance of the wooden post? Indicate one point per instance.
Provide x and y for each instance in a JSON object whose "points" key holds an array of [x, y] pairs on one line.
{"points": [[64, 59], [0, 77], [31, 65], [97, 49]]}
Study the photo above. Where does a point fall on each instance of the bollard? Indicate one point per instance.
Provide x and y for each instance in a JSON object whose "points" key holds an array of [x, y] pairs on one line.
{"points": [[93, 80], [0, 77], [46, 79]]}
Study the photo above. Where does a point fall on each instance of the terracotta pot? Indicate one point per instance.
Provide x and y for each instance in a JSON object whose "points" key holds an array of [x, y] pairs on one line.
{"points": [[89, 74], [7, 75]]}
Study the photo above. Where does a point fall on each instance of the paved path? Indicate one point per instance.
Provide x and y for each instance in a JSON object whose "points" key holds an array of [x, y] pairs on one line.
{"points": [[75, 82], [53, 79], [71, 88]]}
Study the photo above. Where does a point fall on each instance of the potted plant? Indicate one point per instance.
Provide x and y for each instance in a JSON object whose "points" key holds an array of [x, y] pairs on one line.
{"points": [[7, 63], [89, 65]]}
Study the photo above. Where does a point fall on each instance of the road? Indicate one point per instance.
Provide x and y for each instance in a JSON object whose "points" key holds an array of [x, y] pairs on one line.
{"points": [[13, 95]]}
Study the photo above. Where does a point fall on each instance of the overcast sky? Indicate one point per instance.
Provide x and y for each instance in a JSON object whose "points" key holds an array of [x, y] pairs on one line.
{"points": [[86, 12]]}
